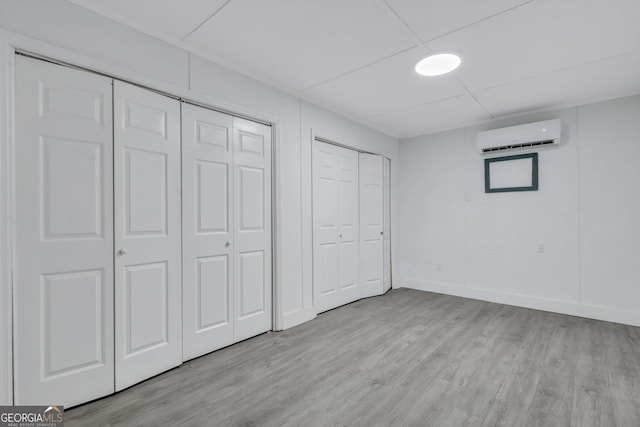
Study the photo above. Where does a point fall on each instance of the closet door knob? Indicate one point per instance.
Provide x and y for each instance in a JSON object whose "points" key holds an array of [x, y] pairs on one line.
{"points": [[228, 243], [381, 233], [341, 236], [122, 251]]}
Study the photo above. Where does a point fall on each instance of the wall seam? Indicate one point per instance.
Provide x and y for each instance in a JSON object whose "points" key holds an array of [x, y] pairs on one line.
{"points": [[465, 209], [189, 70], [302, 251], [579, 150], [7, 80]]}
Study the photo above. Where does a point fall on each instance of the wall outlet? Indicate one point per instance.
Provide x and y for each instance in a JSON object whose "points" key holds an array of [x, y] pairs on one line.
{"points": [[439, 267], [540, 249]]}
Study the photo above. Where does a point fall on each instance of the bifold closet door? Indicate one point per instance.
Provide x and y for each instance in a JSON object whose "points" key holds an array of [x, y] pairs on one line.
{"points": [[63, 324], [227, 230], [335, 226], [371, 224], [252, 229], [208, 224], [387, 225], [148, 280]]}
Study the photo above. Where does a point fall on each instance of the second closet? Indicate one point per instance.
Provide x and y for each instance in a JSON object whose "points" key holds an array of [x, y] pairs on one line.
{"points": [[351, 225]]}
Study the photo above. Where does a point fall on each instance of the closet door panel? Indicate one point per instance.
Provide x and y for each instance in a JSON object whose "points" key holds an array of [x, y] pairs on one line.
{"points": [[63, 324], [371, 224], [335, 226], [349, 226], [387, 224], [252, 231], [326, 227], [208, 223], [148, 281]]}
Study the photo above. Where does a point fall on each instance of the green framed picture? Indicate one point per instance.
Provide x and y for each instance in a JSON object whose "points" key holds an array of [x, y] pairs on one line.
{"points": [[511, 173]]}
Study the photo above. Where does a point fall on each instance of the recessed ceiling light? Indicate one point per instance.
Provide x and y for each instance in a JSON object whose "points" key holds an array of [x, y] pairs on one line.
{"points": [[438, 64]]}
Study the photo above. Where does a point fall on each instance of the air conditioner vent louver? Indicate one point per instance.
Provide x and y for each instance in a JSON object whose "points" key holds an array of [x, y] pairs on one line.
{"points": [[524, 145], [523, 136]]}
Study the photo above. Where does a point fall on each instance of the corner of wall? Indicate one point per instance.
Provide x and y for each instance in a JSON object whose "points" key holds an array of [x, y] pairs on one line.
{"points": [[6, 305], [582, 216]]}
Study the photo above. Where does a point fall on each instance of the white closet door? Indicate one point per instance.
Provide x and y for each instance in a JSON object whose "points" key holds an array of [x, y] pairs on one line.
{"points": [[326, 227], [349, 226], [63, 328], [251, 244], [148, 282], [335, 224], [371, 224], [387, 225], [208, 224]]}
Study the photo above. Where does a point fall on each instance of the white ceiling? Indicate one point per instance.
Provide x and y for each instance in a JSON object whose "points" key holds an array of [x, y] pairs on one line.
{"points": [[356, 57]]}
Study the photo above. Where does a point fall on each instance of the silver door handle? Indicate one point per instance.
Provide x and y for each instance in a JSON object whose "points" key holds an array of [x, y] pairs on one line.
{"points": [[381, 233], [228, 243], [122, 251], [341, 236]]}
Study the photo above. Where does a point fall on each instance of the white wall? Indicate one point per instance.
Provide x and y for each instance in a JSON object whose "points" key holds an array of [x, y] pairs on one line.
{"points": [[63, 24], [127, 52], [456, 239], [610, 203], [6, 315]]}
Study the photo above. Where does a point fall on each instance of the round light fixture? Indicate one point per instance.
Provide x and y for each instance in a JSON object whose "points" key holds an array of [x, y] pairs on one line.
{"points": [[438, 64]]}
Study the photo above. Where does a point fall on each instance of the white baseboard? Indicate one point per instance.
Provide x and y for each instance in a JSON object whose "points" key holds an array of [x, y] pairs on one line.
{"points": [[298, 317], [590, 311]]}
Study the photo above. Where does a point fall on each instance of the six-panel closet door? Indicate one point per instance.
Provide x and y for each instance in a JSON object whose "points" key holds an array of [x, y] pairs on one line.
{"points": [[226, 175], [208, 224], [335, 226], [148, 279], [63, 307], [252, 231], [371, 223]]}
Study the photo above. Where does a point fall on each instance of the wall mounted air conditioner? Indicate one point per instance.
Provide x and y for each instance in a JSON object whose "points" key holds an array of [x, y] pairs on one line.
{"points": [[522, 136]]}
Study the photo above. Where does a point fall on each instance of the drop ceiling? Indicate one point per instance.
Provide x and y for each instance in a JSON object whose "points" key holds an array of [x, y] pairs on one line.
{"points": [[356, 57]]}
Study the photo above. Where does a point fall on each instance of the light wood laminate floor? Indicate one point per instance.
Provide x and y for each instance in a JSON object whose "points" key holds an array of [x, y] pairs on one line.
{"points": [[408, 358]]}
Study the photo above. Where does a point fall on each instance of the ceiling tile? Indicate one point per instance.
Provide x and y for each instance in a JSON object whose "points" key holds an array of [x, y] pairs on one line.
{"points": [[433, 117], [540, 37], [385, 86], [430, 19], [174, 19], [357, 58], [610, 78], [299, 44]]}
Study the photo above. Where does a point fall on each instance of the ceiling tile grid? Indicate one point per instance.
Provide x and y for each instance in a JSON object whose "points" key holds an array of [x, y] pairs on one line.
{"points": [[613, 77], [540, 37], [356, 57], [370, 91], [173, 19], [435, 18], [302, 43], [441, 115]]}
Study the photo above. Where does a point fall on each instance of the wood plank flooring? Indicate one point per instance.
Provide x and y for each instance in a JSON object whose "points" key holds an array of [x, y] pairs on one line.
{"points": [[408, 358]]}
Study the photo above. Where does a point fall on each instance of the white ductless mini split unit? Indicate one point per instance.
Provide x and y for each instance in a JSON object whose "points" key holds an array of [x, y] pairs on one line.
{"points": [[523, 136]]}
